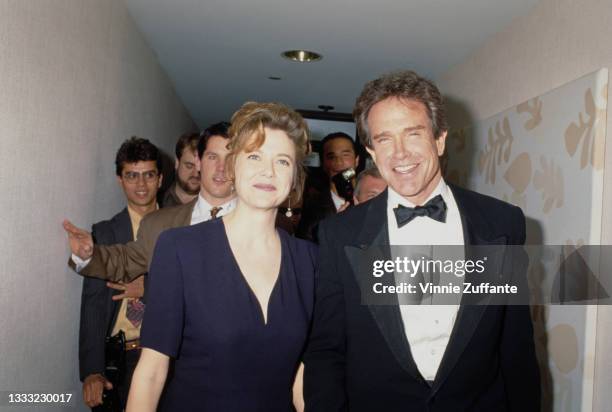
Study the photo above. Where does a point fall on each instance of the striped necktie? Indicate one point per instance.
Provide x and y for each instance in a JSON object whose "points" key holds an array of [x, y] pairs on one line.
{"points": [[214, 211]]}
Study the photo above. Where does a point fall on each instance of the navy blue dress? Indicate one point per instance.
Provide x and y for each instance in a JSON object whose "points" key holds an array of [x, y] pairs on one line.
{"points": [[202, 312]]}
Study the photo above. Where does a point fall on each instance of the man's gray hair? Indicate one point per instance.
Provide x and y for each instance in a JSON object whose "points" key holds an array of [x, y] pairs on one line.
{"points": [[370, 171]]}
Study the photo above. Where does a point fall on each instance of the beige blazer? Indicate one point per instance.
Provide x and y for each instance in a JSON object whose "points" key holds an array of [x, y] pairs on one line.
{"points": [[126, 262]]}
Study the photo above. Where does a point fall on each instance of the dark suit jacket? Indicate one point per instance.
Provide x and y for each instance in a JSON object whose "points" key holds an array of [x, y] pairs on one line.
{"points": [[317, 206], [358, 357], [98, 310], [125, 262]]}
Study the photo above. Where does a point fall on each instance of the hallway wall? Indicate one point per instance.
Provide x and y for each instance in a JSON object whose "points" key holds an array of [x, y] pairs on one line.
{"points": [[557, 42], [76, 79]]}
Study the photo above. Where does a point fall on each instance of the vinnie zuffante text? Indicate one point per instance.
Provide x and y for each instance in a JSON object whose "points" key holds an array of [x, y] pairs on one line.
{"points": [[412, 267]]}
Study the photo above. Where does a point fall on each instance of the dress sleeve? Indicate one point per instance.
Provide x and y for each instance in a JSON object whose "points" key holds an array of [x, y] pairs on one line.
{"points": [[162, 328], [325, 356]]}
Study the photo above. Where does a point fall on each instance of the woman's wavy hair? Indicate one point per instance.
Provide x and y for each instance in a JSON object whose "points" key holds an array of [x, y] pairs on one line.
{"points": [[247, 134]]}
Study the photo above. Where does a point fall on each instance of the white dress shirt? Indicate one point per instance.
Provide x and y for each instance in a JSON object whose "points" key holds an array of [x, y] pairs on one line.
{"points": [[201, 210], [428, 327], [337, 199]]}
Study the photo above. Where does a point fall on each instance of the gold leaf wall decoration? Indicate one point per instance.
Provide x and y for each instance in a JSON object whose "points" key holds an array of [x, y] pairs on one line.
{"points": [[563, 347], [497, 148], [534, 109], [517, 199], [549, 181], [518, 174], [591, 132]]}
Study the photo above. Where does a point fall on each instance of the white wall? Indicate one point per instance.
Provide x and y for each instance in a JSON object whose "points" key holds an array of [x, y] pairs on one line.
{"points": [[76, 79], [558, 41]]}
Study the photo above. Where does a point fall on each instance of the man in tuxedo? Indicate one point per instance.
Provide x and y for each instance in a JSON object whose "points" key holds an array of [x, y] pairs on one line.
{"points": [[125, 262], [186, 174], [365, 357], [103, 312], [338, 153]]}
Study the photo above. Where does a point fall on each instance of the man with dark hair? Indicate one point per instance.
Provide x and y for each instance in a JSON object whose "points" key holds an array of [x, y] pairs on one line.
{"points": [[456, 357], [104, 313], [369, 185], [187, 176], [338, 153], [126, 262]]}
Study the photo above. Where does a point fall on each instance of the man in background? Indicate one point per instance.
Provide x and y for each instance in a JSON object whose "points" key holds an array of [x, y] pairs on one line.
{"points": [[186, 185], [369, 185], [103, 311], [338, 153], [125, 262]]}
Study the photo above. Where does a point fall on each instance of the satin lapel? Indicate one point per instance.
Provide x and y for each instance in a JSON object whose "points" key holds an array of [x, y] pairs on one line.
{"points": [[475, 233], [375, 234]]}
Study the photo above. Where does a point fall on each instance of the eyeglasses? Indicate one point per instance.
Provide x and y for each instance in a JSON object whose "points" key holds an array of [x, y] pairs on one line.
{"points": [[133, 177]]}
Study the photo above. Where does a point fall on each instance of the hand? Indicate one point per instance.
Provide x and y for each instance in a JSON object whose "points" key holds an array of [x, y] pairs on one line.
{"points": [[93, 386], [344, 206], [81, 242], [134, 289]]}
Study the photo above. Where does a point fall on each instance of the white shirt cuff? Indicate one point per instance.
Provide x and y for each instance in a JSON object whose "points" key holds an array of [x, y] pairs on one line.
{"points": [[79, 263]]}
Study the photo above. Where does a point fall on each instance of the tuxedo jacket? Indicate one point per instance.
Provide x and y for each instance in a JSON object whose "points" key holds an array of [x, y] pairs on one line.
{"points": [[98, 310], [358, 357], [125, 262], [317, 207]]}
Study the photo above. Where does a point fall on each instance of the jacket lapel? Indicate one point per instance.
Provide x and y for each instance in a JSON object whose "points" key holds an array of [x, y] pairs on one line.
{"points": [[374, 239], [475, 233], [183, 215], [121, 226]]}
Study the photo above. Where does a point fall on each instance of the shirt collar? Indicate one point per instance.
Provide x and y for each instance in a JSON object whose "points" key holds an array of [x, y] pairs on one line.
{"points": [[394, 199], [136, 218], [337, 199], [201, 210]]}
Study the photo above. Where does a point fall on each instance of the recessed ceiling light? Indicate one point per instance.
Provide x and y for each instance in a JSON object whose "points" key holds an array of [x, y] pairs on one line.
{"points": [[301, 55]]}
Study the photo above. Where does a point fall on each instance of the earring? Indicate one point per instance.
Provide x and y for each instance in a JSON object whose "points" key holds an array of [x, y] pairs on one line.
{"points": [[289, 213]]}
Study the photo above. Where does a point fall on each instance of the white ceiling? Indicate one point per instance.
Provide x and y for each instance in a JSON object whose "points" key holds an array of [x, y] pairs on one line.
{"points": [[219, 53]]}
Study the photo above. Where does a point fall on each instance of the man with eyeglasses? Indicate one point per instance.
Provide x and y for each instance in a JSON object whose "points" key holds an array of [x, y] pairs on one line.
{"points": [[104, 311], [126, 262]]}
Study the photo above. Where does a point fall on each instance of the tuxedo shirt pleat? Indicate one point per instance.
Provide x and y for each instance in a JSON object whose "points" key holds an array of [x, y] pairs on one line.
{"points": [[428, 327]]}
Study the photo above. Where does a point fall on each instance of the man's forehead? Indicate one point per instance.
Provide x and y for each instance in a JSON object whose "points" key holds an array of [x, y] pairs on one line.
{"points": [[189, 153], [217, 144], [339, 144], [141, 165], [394, 110]]}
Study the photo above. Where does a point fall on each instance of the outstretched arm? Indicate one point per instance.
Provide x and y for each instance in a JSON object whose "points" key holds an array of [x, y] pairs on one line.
{"points": [[118, 262]]}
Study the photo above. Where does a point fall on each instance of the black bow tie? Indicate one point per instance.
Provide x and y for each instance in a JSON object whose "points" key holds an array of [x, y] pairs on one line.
{"points": [[435, 209]]}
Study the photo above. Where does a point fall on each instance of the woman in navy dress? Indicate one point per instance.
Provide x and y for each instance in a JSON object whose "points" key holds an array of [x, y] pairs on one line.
{"points": [[230, 300]]}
